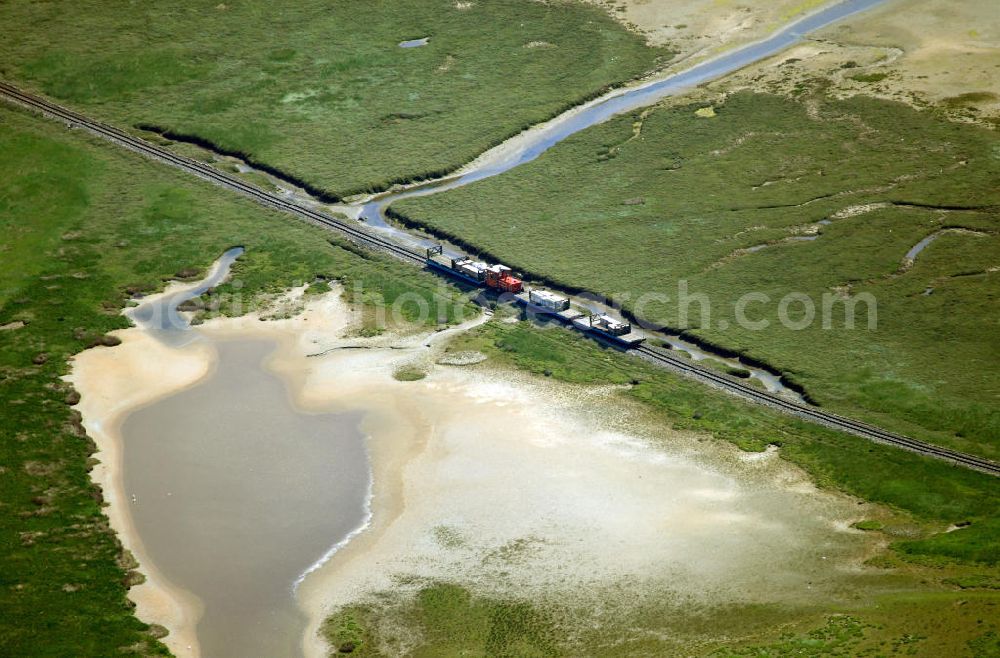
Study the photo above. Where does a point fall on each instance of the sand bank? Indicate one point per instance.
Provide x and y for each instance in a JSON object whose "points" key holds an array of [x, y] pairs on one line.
{"points": [[699, 27], [515, 486]]}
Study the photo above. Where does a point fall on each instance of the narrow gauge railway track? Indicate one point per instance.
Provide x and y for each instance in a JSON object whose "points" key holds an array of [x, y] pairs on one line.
{"points": [[817, 415], [365, 238], [208, 172]]}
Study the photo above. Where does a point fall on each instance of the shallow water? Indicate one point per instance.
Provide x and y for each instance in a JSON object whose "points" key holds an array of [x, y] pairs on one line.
{"points": [[414, 43], [161, 315], [235, 494], [920, 246]]}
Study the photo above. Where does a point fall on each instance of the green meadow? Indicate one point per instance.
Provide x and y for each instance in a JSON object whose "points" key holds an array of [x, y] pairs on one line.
{"points": [[641, 203], [82, 227], [321, 90]]}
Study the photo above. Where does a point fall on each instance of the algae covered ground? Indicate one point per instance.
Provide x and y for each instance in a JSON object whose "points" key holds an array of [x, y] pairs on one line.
{"points": [[930, 592], [83, 227], [773, 195], [322, 90], [445, 619]]}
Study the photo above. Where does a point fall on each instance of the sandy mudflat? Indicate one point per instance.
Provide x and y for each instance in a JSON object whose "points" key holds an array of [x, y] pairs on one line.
{"points": [[912, 51], [701, 27], [497, 481], [513, 485]]}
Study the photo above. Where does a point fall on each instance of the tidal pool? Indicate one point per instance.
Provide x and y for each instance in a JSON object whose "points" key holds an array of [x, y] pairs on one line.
{"points": [[235, 494], [498, 481]]}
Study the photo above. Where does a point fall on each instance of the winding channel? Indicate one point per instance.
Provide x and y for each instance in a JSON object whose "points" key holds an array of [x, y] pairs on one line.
{"points": [[530, 144], [533, 142]]}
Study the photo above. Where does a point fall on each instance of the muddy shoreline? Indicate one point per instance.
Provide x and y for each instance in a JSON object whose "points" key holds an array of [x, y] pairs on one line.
{"points": [[415, 432], [112, 383], [152, 364]]}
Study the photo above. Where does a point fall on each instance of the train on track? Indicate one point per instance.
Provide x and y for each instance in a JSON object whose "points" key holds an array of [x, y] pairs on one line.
{"points": [[555, 304], [538, 300]]}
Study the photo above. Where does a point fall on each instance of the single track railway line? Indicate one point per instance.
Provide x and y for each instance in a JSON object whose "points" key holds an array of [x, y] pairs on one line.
{"points": [[365, 238]]}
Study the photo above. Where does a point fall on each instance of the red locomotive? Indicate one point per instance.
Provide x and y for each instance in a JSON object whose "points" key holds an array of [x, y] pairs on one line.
{"points": [[499, 277]]}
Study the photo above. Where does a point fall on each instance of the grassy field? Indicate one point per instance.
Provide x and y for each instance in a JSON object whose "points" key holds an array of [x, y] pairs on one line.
{"points": [[941, 597], [321, 90], [725, 202], [81, 226], [444, 619]]}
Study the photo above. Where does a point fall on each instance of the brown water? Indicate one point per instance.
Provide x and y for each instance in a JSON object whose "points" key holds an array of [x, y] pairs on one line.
{"points": [[235, 494]]}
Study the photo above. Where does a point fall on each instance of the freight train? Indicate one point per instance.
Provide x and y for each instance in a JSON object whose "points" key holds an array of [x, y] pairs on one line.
{"points": [[497, 277], [501, 278]]}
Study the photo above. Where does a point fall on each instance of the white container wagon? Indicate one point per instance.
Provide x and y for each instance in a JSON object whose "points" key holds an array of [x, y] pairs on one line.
{"points": [[548, 300]]}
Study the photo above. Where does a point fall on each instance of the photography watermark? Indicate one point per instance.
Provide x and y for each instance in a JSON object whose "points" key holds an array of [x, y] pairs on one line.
{"points": [[754, 310], [683, 307]]}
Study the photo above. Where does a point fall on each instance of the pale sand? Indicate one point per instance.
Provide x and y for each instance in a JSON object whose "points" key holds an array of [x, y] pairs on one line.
{"points": [[512, 485], [583, 484], [113, 382], [930, 51], [699, 27]]}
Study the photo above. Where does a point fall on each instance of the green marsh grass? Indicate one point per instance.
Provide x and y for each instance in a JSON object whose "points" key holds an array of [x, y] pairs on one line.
{"points": [[82, 225], [321, 90], [765, 169]]}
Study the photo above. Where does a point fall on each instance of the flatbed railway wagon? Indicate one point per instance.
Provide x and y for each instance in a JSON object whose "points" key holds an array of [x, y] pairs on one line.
{"points": [[499, 277], [607, 327], [464, 268], [549, 303]]}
